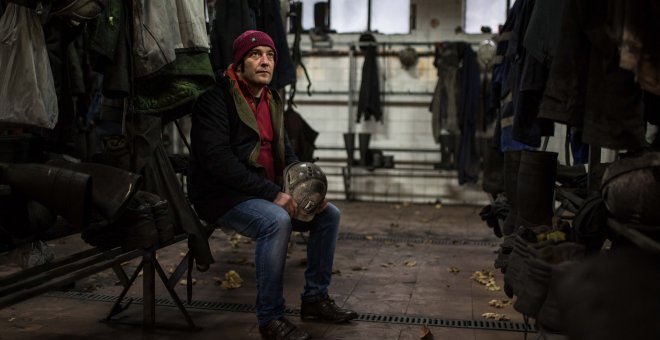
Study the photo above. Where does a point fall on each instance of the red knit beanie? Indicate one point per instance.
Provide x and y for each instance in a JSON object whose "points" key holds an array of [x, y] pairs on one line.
{"points": [[249, 40]]}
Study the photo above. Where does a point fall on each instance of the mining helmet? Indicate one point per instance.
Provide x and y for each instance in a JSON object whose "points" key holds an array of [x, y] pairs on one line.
{"points": [[307, 184], [408, 57]]}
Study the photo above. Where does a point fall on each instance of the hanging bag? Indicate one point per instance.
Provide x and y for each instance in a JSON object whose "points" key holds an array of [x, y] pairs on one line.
{"points": [[27, 90]]}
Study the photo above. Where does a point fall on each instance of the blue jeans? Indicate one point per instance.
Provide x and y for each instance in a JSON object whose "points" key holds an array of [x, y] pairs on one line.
{"points": [[271, 227]]}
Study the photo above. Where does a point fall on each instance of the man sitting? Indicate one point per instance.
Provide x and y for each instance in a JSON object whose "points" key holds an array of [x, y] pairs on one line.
{"points": [[239, 151]]}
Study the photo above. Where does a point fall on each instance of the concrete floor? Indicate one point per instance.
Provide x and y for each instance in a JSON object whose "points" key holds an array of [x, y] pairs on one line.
{"points": [[382, 268]]}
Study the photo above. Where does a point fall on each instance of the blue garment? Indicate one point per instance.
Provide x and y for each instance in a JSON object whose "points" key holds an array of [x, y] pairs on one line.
{"points": [[579, 149], [507, 142], [271, 227], [500, 86]]}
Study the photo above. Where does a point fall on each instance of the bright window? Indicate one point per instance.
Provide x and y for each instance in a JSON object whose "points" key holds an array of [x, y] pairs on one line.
{"points": [[390, 16], [349, 16], [308, 13], [480, 13], [352, 16]]}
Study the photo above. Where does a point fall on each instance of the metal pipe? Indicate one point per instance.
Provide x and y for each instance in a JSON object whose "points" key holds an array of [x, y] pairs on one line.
{"points": [[384, 149], [351, 87], [344, 102], [335, 54], [351, 91], [402, 43]]}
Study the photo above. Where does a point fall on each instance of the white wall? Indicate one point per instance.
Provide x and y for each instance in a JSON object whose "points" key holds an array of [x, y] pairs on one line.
{"points": [[404, 126]]}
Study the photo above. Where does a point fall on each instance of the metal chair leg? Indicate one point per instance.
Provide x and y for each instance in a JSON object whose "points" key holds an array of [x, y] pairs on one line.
{"points": [[117, 307], [173, 294]]}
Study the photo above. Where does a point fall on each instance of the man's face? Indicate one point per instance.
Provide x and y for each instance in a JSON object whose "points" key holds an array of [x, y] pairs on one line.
{"points": [[259, 63]]}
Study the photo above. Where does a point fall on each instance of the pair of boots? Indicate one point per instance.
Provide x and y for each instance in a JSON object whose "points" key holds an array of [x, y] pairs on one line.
{"points": [[349, 143], [146, 222], [529, 178]]}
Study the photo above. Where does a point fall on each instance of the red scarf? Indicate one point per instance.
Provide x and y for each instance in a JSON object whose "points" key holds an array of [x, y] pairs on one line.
{"points": [[261, 112]]}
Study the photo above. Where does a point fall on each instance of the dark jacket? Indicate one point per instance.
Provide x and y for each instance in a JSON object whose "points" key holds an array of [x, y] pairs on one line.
{"points": [[233, 17], [369, 104], [225, 144], [301, 135]]}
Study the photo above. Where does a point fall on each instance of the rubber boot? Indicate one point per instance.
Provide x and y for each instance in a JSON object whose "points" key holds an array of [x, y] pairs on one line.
{"points": [[138, 223], [113, 187], [493, 178], [321, 18], [161, 211], [535, 188], [68, 193], [511, 166], [364, 148], [139, 230], [446, 152], [349, 143]]}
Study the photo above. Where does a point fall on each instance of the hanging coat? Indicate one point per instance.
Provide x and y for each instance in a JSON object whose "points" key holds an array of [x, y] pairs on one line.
{"points": [[369, 103], [468, 104], [162, 28], [301, 135], [233, 17], [445, 97], [270, 21]]}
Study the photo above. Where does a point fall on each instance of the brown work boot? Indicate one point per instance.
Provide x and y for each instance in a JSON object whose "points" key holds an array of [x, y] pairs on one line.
{"points": [[325, 310], [282, 329]]}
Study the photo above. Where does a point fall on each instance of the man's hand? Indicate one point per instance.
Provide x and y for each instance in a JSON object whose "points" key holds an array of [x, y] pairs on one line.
{"points": [[287, 203]]}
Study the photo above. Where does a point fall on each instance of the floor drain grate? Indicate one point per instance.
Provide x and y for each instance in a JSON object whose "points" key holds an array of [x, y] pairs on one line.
{"points": [[417, 240], [473, 324], [376, 318]]}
